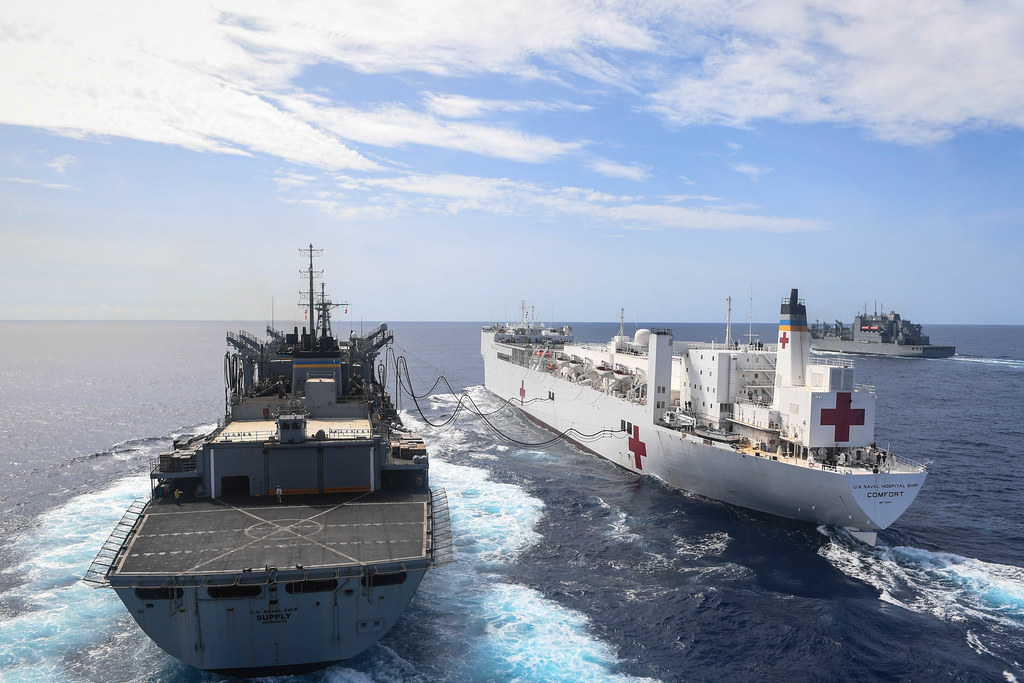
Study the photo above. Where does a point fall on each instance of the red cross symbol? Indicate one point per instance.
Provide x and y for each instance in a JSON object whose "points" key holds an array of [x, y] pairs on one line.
{"points": [[637, 446], [522, 392], [784, 340], [842, 417]]}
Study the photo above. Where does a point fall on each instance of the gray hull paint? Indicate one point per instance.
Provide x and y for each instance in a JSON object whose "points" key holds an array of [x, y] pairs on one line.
{"points": [[296, 533], [295, 631], [905, 351]]}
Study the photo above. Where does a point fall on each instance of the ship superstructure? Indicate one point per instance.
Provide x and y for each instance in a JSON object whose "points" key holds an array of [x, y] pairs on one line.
{"points": [[884, 334], [297, 532], [763, 426]]}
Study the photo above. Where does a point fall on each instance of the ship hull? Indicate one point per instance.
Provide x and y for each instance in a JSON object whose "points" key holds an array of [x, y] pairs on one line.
{"points": [[296, 533], [702, 466], [274, 633], [882, 349]]}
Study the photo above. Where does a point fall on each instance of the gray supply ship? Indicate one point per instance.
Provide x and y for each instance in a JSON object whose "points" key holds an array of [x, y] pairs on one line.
{"points": [[763, 426], [877, 334], [296, 533]]}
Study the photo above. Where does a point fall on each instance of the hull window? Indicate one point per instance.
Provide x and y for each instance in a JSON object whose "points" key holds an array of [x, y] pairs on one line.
{"points": [[384, 579], [158, 593], [312, 586], [234, 591]]}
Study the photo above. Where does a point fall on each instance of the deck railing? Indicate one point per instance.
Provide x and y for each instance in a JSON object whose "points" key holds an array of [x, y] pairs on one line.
{"points": [[442, 547], [96, 575]]}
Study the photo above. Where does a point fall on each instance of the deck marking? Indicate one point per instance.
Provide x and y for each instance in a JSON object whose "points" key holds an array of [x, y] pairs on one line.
{"points": [[280, 529]]}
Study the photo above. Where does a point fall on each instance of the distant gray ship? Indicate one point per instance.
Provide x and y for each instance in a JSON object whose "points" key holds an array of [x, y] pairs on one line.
{"points": [[877, 334], [296, 533]]}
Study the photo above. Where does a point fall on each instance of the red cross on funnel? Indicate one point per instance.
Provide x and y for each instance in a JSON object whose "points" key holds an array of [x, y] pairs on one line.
{"points": [[784, 339], [842, 417], [637, 446]]}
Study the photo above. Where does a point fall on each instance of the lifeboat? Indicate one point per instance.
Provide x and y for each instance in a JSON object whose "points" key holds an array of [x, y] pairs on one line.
{"points": [[622, 376]]}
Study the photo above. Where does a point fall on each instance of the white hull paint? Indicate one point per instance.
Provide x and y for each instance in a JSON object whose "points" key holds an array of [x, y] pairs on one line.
{"points": [[864, 493], [714, 470]]}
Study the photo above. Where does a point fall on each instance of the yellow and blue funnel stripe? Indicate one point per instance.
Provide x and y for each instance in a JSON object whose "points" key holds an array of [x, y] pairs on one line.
{"points": [[794, 314]]}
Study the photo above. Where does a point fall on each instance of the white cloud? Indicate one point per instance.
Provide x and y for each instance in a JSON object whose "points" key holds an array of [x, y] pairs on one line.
{"points": [[912, 73], [464, 107], [287, 179], [396, 125], [676, 198], [616, 170], [221, 78], [174, 78], [453, 194], [49, 186], [61, 163], [750, 170], [228, 77]]}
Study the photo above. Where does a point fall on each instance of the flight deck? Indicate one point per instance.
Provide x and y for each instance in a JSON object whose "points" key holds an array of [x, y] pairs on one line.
{"points": [[212, 536]]}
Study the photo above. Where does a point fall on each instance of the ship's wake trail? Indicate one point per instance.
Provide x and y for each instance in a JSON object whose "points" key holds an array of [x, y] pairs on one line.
{"points": [[480, 621], [468, 619], [1012, 363], [60, 628], [951, 587]]}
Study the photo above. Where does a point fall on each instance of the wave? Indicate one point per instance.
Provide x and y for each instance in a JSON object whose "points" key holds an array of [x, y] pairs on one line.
{"points": [[956, 589], [1015, 363], [500, 628], [58, 628]]}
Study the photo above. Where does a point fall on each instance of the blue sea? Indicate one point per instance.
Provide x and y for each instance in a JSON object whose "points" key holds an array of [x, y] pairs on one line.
{"points": [[567, 567]]}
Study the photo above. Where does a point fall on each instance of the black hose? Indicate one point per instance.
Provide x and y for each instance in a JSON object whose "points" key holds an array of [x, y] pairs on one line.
{"points": [[466, 402]]}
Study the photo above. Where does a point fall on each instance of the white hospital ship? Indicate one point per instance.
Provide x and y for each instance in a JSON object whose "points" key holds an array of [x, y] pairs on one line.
{"points": [[763, 426]]}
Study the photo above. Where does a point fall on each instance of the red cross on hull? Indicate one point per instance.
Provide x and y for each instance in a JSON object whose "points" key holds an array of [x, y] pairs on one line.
{"points": [[843, 416], [638, 447]]}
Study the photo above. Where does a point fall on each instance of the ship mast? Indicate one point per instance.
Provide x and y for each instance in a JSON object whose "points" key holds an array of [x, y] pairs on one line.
{"points": [[728, 322], [750, 318], [311, 252]]}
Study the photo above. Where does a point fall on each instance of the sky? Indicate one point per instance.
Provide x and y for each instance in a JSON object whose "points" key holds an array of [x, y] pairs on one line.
{"points": [[453, 158]]}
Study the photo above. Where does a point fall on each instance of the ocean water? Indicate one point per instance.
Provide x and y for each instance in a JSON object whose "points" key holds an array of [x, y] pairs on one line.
{"points": [[567, 567]]}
